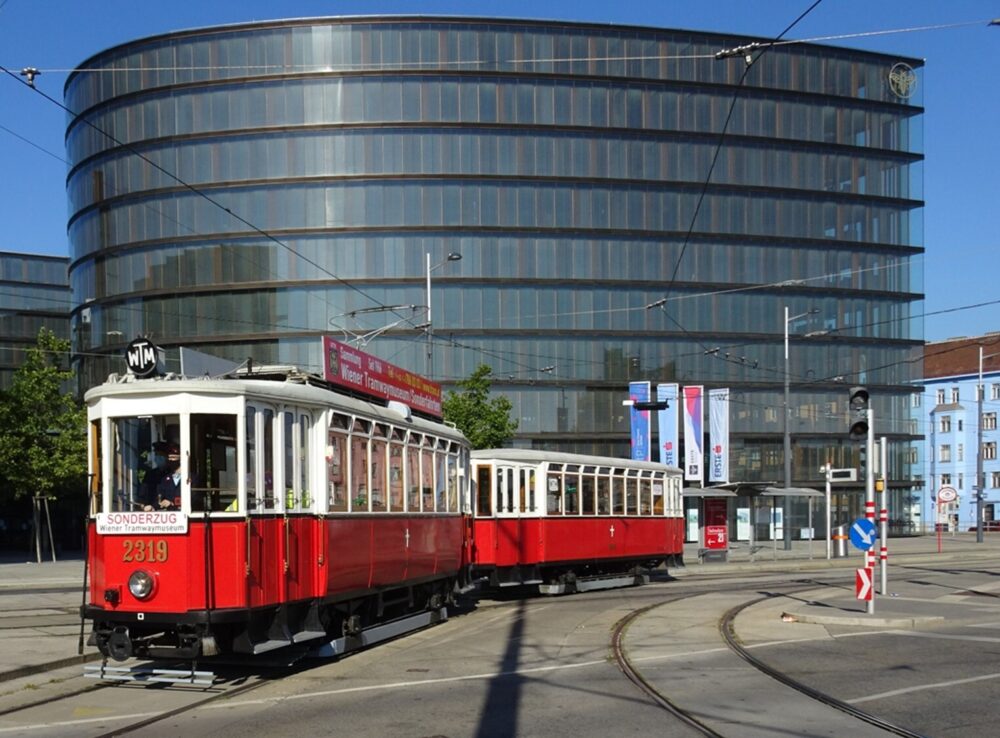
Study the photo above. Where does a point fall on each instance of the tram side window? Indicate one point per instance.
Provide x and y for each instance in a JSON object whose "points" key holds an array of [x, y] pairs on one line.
{"points": [[617, 493], [484, 491], [395, 474], [603, 494], [359, 473], [305, 431], [452, 481], [645, 496], [631, 499], [379, 466], [531, 491], [658, 496], [251, 454], [267, 431], [427, 475], [440, 482], [587, 491], [553, 493], [499, 486], [213, 464], [572, 491], [336, 471], [413, 474], [288, 456]]}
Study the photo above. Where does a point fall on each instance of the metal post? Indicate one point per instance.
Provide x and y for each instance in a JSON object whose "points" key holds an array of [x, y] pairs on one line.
{"points": [[870, 498], [979, 455], [829, 521], [883, 516], [430, 325], [788, 449]]}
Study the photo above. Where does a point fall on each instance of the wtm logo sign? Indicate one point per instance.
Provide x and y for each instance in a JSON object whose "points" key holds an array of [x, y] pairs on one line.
{"points": [[142, 357]]}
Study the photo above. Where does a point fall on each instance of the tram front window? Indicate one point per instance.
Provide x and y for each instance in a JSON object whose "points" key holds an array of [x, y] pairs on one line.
{"points": [[138, 463]]}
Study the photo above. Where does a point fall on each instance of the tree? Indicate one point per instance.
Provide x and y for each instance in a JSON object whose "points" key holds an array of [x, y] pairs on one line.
{"points": [[486, 423], [43, 429]]}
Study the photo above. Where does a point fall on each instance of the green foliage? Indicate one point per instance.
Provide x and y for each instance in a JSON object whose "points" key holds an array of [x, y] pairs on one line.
{"points": [[43, 441], [486, 423]]}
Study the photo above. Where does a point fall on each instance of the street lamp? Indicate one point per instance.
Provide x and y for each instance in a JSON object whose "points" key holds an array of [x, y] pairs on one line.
{"points": [[453, 256], [980, 482], [788, 433]]}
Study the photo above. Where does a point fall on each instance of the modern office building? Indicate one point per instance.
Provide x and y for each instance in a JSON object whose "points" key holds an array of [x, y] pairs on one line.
{"points": [[956, 421], [628, 204], [34, 294]]}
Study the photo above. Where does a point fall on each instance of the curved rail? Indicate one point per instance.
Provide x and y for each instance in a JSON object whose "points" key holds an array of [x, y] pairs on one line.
{"points": [[618, 651], [732, 640]]}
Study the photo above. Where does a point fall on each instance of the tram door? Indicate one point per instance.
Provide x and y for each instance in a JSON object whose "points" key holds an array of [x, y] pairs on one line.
{"points": [[265, 551], [301, 534], [512, 487]]}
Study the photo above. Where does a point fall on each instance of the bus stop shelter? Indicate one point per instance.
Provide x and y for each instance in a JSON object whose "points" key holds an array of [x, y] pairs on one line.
{"points": [[772, 494]]}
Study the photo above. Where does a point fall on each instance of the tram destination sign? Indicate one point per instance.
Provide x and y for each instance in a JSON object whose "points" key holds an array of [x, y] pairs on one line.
{"points": [[345, 366]]}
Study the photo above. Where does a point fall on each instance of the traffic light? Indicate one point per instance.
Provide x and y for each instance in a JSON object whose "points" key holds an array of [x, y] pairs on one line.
{"points": [[858, 413]]}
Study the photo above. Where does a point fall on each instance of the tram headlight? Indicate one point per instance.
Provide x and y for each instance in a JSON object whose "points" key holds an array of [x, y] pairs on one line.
{"points": [[140, 584]]}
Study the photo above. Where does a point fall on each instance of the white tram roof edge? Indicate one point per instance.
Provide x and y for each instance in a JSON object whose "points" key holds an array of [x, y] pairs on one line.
{"points": [[538, 455]]}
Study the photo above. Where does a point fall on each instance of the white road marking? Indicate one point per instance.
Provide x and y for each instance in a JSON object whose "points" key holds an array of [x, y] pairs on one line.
{"points": [[936, 685], [81, 721]]}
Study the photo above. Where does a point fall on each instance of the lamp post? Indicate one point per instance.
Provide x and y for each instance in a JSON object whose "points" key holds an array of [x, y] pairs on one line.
{"points": [[980, 482], [453, 256], [788, 432]]}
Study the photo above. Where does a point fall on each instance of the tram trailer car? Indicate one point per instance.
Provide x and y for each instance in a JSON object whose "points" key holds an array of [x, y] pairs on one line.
{"points": [[302, 513], [568, 522]]}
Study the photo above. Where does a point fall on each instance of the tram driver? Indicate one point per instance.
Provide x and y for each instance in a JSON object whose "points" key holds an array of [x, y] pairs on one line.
{"points": [[168, 489]]}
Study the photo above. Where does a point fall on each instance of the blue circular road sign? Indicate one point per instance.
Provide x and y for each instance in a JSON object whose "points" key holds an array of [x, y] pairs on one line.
{"points": [[862, 533]]}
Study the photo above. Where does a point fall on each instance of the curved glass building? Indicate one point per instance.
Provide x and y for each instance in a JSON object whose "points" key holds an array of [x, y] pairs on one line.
{"points": [[627, 206]]}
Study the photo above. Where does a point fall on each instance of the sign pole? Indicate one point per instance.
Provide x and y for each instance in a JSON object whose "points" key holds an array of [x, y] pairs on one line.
{"points": [[829, 522], [870, 496], [937, 523], [883, 519]]}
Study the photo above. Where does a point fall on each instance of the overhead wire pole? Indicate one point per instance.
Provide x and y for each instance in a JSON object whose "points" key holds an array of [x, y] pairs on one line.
{"points": [[786, 528]]}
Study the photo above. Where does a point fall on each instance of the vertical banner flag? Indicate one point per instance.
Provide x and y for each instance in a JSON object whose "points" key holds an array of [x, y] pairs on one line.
{"points": [[639, 392], [694, 434], [718, 434], [667, 420]]}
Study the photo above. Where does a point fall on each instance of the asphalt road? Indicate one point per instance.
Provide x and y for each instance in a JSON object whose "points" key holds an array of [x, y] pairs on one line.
{"points": [[542, 666]]}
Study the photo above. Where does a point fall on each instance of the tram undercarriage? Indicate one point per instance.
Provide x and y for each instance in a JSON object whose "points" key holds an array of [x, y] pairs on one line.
{"points": [[196, 635]]}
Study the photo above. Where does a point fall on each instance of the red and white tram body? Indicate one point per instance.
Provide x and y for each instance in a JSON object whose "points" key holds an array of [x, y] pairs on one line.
{"points": [[560, 520], [302, 513]]}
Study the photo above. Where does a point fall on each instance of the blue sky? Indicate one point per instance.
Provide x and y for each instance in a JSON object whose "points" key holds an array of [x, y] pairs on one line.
{"points": [[959, 88]]}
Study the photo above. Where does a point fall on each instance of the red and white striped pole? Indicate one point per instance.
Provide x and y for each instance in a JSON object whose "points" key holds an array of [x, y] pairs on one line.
{"points": [[883, 519], [870, 501]]}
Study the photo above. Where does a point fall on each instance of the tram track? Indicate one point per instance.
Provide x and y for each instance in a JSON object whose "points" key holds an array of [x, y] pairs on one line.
{"points": [[726, 627]]}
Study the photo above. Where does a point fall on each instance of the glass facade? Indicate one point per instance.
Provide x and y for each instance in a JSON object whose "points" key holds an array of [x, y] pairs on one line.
{"points": [[34, 294], [244, 189]]}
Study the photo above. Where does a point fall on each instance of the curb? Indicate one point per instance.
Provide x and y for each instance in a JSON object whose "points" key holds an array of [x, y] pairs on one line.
{"points": [[902, 622]]}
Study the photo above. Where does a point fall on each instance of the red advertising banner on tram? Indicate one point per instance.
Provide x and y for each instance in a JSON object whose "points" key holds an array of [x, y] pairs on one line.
{"points": [[346, 366]]}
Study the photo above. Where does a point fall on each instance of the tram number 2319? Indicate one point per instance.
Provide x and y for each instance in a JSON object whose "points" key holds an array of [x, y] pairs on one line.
{"points": [[139, 550]]}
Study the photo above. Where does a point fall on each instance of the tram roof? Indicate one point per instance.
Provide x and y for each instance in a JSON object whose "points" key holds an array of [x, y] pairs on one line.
{"points": [[274, 384], [537, 456]]}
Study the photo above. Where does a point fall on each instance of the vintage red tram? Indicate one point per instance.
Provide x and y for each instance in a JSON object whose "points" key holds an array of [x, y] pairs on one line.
{"points": [[302, 513], [568, 522]]}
